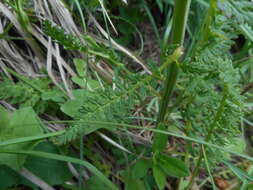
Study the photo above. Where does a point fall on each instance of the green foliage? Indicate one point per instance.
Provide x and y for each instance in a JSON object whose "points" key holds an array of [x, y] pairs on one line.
{"points": [[205, 105], [24, 94], [131, 182], [10, 177], [82, 79], [161, 139], [141, 167], [102, 105], [44, 168], [238, 172], [126, 23], [58, 157], [85, 44], [213, 81], [164, 166], [93, 184], [159, 176], [171, 166], [22, 123]]}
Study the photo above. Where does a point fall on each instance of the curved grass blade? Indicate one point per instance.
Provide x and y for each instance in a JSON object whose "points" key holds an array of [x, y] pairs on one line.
{"points": [[31, 138], [246, 182], [238, 172], [120, 125], [208, 168]]}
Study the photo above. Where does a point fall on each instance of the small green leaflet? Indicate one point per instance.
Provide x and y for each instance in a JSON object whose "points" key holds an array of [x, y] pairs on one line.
{"points": [[82, 79]]}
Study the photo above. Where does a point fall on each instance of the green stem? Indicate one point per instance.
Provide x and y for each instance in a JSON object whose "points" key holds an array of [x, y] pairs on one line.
{"points": [[177, 37], [208, 137], [186, 155], [204, 32]]}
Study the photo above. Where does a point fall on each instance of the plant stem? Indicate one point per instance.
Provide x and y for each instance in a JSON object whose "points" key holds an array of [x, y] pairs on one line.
{"points": [[204, 32], [177, 37], [208, 137]]}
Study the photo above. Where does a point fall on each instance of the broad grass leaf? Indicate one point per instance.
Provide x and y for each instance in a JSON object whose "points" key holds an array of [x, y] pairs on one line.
{"points": [[172, 166], [24, 123], [160, 177]]}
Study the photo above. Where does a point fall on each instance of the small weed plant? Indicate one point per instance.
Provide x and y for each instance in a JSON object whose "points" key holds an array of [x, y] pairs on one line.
{"points": [[111, 95]]}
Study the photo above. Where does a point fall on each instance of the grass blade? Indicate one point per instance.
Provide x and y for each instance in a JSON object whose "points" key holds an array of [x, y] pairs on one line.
{"points": [[31, 138], [89, 166], [238, 172], [208, 168]]}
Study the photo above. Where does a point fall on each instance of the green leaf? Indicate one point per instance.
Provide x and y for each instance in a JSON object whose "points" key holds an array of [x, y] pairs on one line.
{"points": [[80, 65], [24, 123], [4, 119], [83, 82], [91, 106], [140, 169], [238, 145], [160, 140], [71, 107], [10, 178], [160, 5], [160, 177], [247, 30], [31, 138], [94, 183], [44, 167], [90, 167], [54, 95], [131, 182], [172, 166], [79, 81], [238, 172]]}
